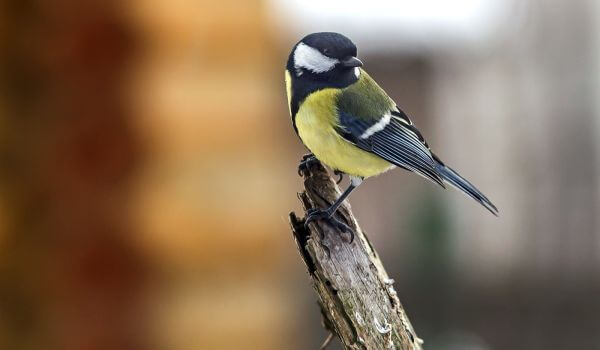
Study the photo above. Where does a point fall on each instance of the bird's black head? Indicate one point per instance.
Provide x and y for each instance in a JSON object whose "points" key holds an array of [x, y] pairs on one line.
{"points": [[326, 58]]}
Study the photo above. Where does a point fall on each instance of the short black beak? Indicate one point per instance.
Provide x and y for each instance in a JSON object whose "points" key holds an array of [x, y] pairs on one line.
{"points": [[352, 62]]}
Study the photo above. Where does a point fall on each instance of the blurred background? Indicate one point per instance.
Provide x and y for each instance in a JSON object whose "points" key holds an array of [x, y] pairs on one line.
{"points": [[148, 166]]}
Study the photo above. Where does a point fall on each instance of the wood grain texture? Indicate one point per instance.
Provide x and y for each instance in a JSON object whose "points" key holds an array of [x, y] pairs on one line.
{"points": [[357, 298]]}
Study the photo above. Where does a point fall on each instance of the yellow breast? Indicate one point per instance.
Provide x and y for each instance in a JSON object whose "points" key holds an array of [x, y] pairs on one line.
{"points": [[316, 121]]}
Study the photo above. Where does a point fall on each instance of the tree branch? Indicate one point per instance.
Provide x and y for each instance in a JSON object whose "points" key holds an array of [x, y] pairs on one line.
{"points": [[357, 298]]}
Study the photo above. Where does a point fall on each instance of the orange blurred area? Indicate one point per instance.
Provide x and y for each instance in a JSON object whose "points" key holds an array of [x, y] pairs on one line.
{"points": [[123, 224], [149, 167]]}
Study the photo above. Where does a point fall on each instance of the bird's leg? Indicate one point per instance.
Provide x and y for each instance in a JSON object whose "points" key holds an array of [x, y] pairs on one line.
{"points": [[328, 214], [307, 161], [327, 341], [341, 176]]}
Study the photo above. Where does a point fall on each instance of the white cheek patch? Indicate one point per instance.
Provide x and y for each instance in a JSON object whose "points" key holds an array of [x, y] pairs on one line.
{"points": [[356, 72], [310, 58]]}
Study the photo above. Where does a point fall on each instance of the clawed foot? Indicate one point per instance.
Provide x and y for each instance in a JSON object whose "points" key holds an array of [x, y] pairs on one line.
{"points": [[341, 176], [324, 214], [306, 163]]}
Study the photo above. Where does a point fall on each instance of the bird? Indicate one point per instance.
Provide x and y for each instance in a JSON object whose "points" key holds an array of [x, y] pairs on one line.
{"points": [[349, 123]]}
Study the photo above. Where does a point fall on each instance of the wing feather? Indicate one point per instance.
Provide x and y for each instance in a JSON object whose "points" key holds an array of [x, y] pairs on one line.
{"points": [[371, 120], [393, 142]]}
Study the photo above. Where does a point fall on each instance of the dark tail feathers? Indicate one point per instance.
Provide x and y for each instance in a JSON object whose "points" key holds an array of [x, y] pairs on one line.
{"points": [[454, 179]]}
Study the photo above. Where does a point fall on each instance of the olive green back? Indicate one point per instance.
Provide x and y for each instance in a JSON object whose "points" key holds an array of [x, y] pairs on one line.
{"points": [[365, 99]]}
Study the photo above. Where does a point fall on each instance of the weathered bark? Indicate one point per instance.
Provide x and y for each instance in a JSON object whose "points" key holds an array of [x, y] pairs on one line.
{"points": [[357, 298]]}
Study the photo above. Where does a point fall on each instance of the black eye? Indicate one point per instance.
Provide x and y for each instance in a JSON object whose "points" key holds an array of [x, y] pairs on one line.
{"points": [[326, 51]]}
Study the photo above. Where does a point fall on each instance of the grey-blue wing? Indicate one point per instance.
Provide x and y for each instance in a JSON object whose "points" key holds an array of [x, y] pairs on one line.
{"points": [[395, 139], [392, 138]]}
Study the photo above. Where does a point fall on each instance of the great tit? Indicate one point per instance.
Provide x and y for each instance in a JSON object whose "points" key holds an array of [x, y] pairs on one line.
{"points": [[351, 125]]}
